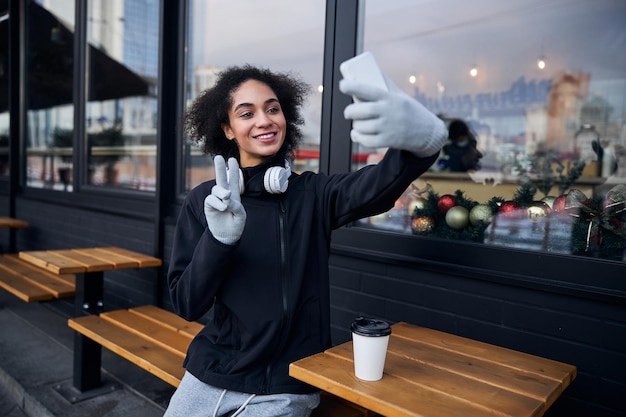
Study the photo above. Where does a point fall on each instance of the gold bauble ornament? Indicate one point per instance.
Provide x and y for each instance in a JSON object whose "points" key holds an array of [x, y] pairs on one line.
{"points": [[480, 213], [416, 203], [457, 217], [537, 210], [422, 225]]}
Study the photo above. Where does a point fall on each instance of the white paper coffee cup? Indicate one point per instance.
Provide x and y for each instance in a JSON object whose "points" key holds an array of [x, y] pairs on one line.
{"points": [[370, 338]]}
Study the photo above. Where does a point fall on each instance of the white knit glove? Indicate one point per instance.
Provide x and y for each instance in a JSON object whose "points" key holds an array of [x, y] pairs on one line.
{"points": [[392, 119], [223, 210]]}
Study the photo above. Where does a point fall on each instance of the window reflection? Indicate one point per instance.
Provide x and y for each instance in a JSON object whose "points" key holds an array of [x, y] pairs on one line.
{"points": [[544, 104], [121, 100], [49, 93], [121, 112], [222, 34]]}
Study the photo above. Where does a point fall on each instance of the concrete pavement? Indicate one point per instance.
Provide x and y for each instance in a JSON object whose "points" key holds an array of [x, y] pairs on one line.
{"points": [[36, 366]]}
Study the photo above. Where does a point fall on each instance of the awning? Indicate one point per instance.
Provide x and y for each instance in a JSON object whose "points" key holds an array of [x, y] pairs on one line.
{"points": [[50, 66]]}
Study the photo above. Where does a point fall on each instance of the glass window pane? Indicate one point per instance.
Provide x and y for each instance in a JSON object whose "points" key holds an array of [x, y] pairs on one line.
{"points": [[49, 93], [534, 94], [222, 34], [121, 113]]}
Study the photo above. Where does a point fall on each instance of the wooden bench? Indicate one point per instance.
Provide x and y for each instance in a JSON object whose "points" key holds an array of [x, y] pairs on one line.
{"points": [[30, 283], [157, 341], [12, 223]]}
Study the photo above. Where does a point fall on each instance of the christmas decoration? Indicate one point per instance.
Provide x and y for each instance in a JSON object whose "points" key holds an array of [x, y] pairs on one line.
{"points": [[423, 225], [549, 200], [457, 217], [600, 229], [558, 206], [446, 202], [509, 207], [615, 201], [595, 227], [481, 213], [416, 203], [538, 210]]}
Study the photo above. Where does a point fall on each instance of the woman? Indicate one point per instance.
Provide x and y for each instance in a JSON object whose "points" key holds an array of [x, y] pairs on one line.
{"points": [[252, 245], [462, 151]]}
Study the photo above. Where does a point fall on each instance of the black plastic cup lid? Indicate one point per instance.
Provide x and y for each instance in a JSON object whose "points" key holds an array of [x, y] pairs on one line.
{"points": [[370, 327]]}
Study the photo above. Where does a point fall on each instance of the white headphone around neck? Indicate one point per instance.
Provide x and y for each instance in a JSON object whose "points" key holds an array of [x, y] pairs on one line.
{"points": [[275, 180]]}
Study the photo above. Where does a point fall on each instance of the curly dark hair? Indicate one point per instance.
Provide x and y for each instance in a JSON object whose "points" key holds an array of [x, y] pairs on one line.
{"points": [[209, 111]]}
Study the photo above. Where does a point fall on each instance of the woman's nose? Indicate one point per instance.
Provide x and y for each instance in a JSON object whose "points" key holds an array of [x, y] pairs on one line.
{"points": [[263, 120]]}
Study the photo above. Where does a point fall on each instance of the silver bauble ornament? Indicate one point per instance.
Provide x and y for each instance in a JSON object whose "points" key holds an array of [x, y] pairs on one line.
{"points": [[457, 217], [480, 213]]}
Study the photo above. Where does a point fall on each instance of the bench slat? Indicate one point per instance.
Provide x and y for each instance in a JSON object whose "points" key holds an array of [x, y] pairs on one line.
{"points": [[23, 289], [52, 262], [88, 262], [12, 223], [147, 355], [143, 260], [167, 318], [149, 330], [118, 261], [31, 283]]}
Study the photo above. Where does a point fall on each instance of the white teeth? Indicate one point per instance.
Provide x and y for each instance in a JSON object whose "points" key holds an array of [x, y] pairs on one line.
{"points": [[269, 135]]}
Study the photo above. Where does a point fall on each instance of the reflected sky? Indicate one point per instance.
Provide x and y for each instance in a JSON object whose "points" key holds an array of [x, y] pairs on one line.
{"points": [[435, 40]]}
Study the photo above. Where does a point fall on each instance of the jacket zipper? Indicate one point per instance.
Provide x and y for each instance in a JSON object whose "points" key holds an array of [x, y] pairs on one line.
{"points": [[283, 272]]}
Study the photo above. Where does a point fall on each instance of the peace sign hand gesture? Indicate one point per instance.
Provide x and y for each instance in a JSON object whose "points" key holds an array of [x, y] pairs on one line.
{"points": [[223, 210]]}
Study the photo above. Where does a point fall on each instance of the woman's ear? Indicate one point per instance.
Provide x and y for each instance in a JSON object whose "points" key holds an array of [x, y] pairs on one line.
{"points": [[228, 132]]}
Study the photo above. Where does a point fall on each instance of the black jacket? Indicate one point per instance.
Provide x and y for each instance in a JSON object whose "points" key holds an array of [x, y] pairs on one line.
{"points": [[270, 291]]}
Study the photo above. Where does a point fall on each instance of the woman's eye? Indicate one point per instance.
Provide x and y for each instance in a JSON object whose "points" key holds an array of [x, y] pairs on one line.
{"points": [[273, 110], [246, 114]]}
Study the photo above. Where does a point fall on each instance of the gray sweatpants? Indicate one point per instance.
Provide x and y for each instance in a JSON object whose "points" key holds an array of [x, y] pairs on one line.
{"points": [[194, 398]]}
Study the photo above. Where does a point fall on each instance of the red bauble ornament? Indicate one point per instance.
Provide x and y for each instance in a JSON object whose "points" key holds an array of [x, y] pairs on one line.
{"points": [[509, 207], [446, 202]]}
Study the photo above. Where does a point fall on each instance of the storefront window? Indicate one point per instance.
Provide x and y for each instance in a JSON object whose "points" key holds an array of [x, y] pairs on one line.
{"points": [[49, 93], [121, 113], [4, 91], [222, 34], [534, 95]]}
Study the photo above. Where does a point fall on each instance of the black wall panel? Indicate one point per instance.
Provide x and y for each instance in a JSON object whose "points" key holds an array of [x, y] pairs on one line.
{"points": [[587, 333]]}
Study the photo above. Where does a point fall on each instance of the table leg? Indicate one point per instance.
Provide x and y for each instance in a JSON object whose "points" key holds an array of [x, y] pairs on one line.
{"points": [[87, 353], [87, 379]]}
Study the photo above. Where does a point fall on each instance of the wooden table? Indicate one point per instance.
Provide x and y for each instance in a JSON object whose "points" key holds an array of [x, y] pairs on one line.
{"points": [[12, 224], [430, 374], [89, 265]]}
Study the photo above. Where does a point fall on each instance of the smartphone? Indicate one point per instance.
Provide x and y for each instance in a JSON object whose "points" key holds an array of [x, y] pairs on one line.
{"points": [[363, 67]]}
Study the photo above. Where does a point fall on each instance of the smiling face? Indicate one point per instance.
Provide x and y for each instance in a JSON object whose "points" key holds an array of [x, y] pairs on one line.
{"points": [[257, 123]]}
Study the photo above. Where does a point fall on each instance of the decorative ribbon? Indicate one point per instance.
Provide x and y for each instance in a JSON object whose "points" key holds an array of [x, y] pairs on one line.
{"points": [[607, 216]]}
